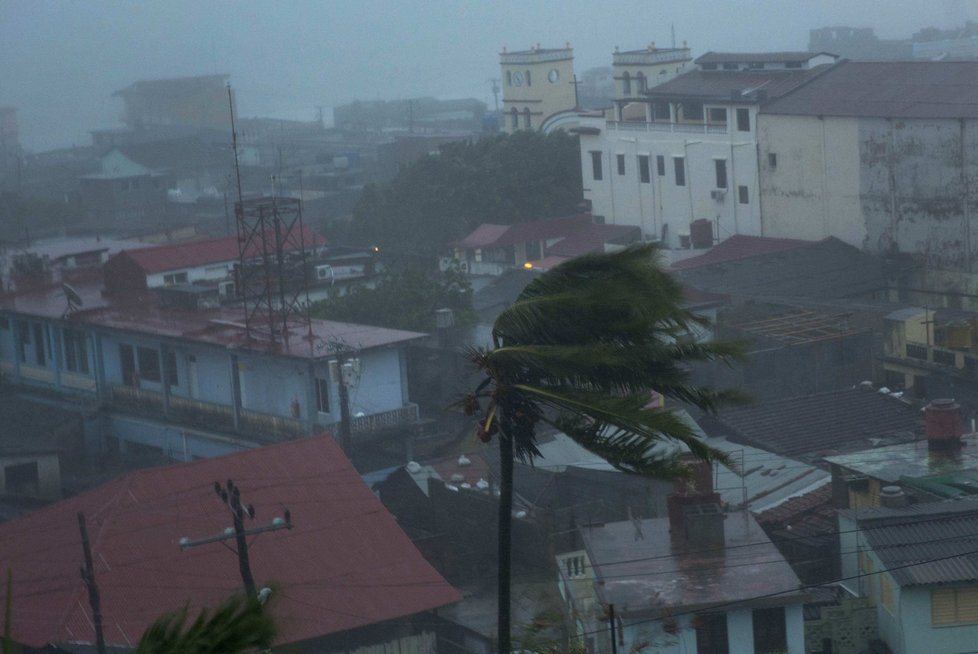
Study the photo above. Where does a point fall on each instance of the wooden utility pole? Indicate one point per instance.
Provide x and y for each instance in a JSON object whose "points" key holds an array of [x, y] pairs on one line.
{"points": [[230, 494], [88, 576], [614, 636]]}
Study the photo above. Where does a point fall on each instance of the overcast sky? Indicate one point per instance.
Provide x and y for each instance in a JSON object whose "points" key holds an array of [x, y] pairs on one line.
{"points": [[61, 60]]}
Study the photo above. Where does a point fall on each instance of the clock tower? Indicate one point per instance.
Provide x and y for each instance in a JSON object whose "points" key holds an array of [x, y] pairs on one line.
{"points": [[537, 83]]}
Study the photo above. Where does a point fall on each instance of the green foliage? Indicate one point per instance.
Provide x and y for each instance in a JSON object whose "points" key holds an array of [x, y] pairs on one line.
{"points": [[404, 300], [236, 625], [20, 214], [501, 179]]}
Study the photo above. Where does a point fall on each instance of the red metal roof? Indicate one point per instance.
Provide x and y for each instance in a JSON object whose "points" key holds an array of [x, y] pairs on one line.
{"points": [[176, 256], [738, 247], [345, 564], [499, 236]]}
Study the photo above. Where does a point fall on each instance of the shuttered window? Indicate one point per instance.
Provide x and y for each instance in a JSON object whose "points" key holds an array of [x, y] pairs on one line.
{"points": [[954, 606]]}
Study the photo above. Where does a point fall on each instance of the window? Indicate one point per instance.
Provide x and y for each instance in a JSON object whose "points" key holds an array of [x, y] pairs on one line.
{"points": [[708, 66], [127, 364], [721, 171], [743, 119], [175, 278], [772, 159], [770, 635], [679, 168], [661, 111], [322, 395], [170, 361], [621, 163], [509, 78], [743, 196], [792, 64], [596, 166], [24, 339], [729, 66], [660, 165], [886, 591], [21, 479], [954, 606], [39, 354], [642, 84], [515, 119], [711, 633], [645, 175], [528, 78], [626, 83], [526, 118], [149, 363], [692, 111], [76, 352], [718, 115]]}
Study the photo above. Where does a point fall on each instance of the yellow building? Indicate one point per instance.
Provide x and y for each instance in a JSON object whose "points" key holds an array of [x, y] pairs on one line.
{"points": [[537, 84]]}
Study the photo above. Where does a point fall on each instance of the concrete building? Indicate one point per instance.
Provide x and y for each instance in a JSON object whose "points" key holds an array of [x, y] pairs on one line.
{"points": [[686, 150], [537, 84], [200, 101], [881, 155], [636, 71]]}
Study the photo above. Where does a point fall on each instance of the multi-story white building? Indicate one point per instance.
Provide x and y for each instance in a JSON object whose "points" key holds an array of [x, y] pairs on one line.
{"points": [[686, 150], [537, 84]]}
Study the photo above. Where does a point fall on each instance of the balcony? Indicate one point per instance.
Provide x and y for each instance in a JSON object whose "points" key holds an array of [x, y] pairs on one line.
{"points": [[261, 426], [673, 128]]}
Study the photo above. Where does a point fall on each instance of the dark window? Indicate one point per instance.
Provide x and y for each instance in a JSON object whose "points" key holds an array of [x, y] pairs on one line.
{"points": [[621, 164], [721, 168], [76, 352], [772, 159], [792, 64], [642, 84], [322, 395], [645, 175], [175, 278], [170, 361], [528, 78], [515, 116], [24, 336], [679, 167], [770, 635], [917, 351], [149, 363], [729, 66], [660, 165], [626, 83], [711, 633], [526, 118], [756, 65], [743, 195], [127, 363], [743, 119], [39, 356], [693, 111], [509, 78], [709, 66], [661, 111], [718, 115], [944, 357], [596, 166], [21, 479]]}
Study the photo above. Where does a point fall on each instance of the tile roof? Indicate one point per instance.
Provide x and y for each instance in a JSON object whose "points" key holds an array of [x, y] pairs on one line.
{"points": [[808, 514], [175, 256], [345, 564], [755, 57], [887, 89], [640, 571], [707, 84], [925, 544], [815, 425]]}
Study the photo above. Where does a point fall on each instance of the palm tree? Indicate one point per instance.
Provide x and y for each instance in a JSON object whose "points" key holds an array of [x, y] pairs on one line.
{"points": [[236, 625], [582, 349]]}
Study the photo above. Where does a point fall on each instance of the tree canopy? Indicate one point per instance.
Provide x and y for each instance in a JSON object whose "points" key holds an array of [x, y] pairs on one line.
{"points": [[441, 197]]}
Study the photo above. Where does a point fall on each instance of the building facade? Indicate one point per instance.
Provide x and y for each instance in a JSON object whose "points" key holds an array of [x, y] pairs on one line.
{"points": [[537, 84]]}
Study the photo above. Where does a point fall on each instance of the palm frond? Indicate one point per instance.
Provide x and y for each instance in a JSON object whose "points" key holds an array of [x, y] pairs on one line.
{"points": [[236, 625]]}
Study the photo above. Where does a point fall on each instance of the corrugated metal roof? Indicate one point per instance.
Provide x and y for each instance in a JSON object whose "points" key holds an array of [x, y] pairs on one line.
{"points": [[500, 236], [756, 57], [345, 564], [740, 246], [926, 543], [719, 85], [190, 254], [887, 89]]}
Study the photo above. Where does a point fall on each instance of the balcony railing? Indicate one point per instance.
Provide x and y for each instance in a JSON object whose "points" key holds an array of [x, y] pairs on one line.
{"points": [[675, 128], [207, 415]]}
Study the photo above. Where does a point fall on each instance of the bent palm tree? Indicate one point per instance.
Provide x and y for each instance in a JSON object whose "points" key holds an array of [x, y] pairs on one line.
{"points": [[582, 349], [236, 625]]}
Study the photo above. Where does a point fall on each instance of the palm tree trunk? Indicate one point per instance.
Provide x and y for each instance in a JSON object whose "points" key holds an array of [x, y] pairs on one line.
{"points": [[504, 541]]}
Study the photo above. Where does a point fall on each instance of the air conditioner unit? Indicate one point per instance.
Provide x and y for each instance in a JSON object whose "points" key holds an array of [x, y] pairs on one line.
{"points": [[718, 195], [226, 289], [324, 272]]}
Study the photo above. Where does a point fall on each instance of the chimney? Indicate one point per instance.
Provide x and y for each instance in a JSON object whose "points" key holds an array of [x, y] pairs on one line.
{"points": [[694, 507], [943, 419], [893, 497]]}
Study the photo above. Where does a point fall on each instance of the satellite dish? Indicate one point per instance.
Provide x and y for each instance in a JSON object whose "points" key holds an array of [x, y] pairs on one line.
{"points": [[74, 299]]}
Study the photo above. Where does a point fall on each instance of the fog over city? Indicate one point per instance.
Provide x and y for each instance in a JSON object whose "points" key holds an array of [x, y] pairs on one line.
{"points": [[60, 62]]}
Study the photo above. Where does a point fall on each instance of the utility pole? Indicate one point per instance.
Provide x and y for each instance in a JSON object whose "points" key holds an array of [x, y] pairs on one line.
{"points": [[230, 494], [611, 621], [88, 576]]}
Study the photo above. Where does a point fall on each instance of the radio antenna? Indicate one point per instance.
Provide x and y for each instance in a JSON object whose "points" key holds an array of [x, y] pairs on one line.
{"points": [[234, 144]]}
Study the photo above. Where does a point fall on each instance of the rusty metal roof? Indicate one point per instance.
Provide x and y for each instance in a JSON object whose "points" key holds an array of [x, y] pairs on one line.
{"points": [[887, 89], [345, 564]]}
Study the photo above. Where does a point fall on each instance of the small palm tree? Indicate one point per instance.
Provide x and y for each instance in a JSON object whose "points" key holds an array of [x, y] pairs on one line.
{"points": [[235, 625], [582, 349]]}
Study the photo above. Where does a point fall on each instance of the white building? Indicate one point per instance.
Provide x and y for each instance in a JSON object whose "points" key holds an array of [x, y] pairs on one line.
{"points": [[686, 150]]}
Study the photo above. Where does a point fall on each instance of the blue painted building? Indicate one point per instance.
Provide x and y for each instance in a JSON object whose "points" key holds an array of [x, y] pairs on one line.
{"points": [[189, 382]]}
